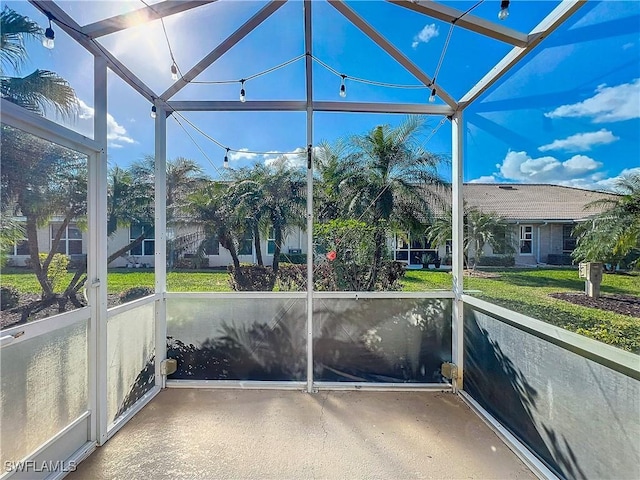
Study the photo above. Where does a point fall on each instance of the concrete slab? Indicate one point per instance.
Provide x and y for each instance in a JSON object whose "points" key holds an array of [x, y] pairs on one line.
{"points": [[247, 434]]}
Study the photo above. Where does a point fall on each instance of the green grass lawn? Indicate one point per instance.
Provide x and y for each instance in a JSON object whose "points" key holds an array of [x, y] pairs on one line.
{"points": [[522, 290], [527, 291]]}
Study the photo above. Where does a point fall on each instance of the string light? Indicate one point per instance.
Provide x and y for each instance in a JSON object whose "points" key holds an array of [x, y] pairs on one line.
{"points": [[243, 97], [154, 112], [432, 97], [174, 72], [225, 163], [343, 87], [49, 35], [504, 10]]}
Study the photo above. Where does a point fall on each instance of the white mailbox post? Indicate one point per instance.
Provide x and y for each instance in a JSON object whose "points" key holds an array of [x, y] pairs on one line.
{"points": [[592, 273]]}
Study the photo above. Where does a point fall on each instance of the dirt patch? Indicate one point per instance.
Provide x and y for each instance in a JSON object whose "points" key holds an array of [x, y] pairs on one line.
{"points": [[622, 304], [11, 317], [480, 274]]}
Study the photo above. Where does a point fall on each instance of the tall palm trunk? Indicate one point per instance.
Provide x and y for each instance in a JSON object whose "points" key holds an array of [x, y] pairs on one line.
{"points": [[256, 243], [277, 230], [379, 240], [34, 254]]}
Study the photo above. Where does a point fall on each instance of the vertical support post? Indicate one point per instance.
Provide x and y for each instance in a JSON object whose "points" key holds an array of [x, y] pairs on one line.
{"points": [[309, 86], [96, 283], [160, 226], [457, 264]]}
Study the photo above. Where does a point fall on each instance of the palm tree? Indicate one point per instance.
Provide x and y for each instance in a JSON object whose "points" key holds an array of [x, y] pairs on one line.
{"points": [[213, 208], [274, 193], [615, 232], [387, 187], [41, 90], [480, 229], [332, 169], [39, 180]]}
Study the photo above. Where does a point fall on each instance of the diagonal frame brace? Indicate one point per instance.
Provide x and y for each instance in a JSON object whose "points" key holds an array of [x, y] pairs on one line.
{"points": [[388, 47], [142, 15], [224, 47], [468, 22]]}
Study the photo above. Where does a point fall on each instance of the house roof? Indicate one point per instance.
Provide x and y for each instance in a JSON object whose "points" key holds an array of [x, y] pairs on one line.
{"points": [[534, 201]]}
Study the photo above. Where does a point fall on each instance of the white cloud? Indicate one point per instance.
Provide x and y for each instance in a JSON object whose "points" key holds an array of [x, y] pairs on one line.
{"points": [[609, 184], [295, 159], [429, 31], [521, 167], [581, 142], [626, 46], [242, 154], [484, 179], [116, 133], [609, 104]]}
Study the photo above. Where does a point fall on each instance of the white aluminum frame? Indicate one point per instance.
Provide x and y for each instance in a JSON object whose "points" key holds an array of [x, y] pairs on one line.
{"points": [[85, 36], [50, 131]]}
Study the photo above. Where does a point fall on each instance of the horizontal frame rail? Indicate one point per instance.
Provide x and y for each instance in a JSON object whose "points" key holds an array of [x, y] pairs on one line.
{"points": [[43, 326], [611, 357], [140, 302]]}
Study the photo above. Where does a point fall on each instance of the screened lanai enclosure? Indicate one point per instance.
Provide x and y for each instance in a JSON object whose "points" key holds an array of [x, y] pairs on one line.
{"points": [[251, 227]]}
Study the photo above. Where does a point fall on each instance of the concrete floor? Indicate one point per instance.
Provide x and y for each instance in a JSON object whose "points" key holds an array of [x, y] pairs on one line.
{"points": [[251, 434]]}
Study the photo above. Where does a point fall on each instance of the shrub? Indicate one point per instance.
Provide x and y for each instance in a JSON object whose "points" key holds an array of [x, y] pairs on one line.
{"points": [[295, 258], [134, 293], [57, 271], [9, 297], [497, 261], [252, 278]]}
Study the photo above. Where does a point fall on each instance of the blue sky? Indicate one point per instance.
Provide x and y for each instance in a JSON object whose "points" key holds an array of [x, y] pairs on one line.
{"points": [[569, 114]]}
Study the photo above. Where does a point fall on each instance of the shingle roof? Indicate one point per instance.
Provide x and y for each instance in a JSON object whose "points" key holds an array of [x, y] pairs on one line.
{"points": [[533, 201]]}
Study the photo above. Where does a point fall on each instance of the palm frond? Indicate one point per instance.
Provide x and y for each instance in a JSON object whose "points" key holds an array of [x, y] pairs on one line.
{"points": [[13, 30], [40, 91]]}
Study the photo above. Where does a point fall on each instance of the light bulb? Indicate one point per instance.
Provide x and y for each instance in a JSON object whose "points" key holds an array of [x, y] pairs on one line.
{"points": [[153, 112], [504, 10], [174, 72], [49, 35], [343, 88], [432, 98], [243, 97]]}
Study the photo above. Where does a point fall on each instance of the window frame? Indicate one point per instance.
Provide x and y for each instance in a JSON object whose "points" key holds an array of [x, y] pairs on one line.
{"points": [[147, 243], [65, 240], [523, 239]]}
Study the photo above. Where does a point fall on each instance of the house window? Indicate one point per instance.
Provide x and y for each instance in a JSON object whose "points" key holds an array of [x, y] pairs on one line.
{"points": [[246, 245], [402, 247], [21, 247], [526, 239], [271, 242], [147, 246], [71, 240], [568, 240], [504, 242], [211, 246]]}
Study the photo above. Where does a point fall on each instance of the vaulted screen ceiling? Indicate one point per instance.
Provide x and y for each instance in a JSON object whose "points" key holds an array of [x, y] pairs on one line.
{"points": [[119, 30]]}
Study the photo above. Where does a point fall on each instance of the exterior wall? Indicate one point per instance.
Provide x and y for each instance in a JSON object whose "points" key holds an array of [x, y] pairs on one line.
{"points": [[119, 238], [547, 240], [295, 240], [44, 245]]}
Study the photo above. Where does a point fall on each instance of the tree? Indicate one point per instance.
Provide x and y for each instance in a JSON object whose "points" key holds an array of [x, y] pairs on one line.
{"points": [[272, 197], [39, 180], [41, 90], [388, 184], [480, 229], [332, 170], [614, 233], [212, 207]]}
